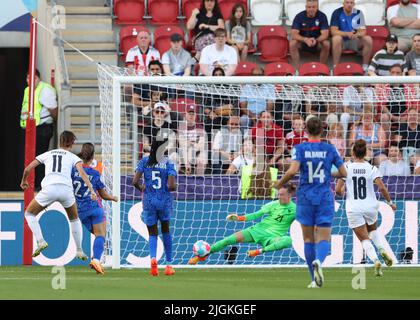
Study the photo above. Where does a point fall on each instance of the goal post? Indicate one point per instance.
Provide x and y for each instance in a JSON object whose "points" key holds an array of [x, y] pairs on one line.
{"points": [[204, 199]]}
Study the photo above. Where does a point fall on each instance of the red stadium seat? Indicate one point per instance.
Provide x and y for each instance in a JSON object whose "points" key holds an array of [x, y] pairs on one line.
{"points": [[379, 35], [314, 69], [128, 37], [129, 11], [244, 68], [348, 69], [272, 43], [393, 2], [227, 5], [251, 47], [188, 6], [163, 12], [162, 37], [278, 69], [180, 105]]}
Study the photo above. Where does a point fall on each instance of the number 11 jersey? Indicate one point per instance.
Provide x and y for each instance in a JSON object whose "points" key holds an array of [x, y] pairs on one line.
{"points": [[58, 166], [360, 192]]}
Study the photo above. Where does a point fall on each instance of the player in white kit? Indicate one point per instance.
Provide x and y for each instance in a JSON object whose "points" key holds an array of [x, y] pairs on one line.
{"points": [[57, 186], [362, 204]]}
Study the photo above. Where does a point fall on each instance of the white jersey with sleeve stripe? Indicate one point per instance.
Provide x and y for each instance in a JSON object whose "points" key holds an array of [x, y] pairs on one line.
{"points": [[58, 165], [360, 192]]}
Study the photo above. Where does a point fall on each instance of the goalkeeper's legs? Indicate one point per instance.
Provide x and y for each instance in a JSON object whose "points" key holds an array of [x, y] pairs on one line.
{"points": [[362, 234], [377, 241], [243, 236], [274, 244]]}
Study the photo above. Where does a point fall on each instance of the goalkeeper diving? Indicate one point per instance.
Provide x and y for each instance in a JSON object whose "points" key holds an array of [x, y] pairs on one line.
{"points": [[272, 233]]}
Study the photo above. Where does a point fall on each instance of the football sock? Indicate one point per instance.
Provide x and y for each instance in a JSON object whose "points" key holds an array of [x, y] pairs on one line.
{"points": [[370, 250], [34, 226], [167, 243], [77, 232], [322, 250], [376, 239], [98, 247], [153, 246], [310, 257]]}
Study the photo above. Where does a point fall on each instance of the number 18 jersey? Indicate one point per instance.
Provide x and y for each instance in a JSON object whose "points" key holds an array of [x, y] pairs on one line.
{"points": [[58, 167], [360, 192]]}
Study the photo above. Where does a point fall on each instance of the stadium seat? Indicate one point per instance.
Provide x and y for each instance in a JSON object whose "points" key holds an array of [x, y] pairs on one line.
{"points": [[163, 12], [373, 10], [328, 7], [379, 35], [390, 3], [292, 8], [314, 69], [128, 37], [348, 69], [251, 47], [272, 43], [244, 68], [188, 6], [180, 105], [227, 5], [129, 11], [278, 69], [266, 12], [162, 37]]}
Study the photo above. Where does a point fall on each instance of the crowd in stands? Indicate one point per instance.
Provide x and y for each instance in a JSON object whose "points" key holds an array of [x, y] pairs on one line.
{"points": [[222, 133]]}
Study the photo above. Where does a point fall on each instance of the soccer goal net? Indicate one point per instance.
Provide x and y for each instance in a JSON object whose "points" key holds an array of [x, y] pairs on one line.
{"points": [[230, 137]]}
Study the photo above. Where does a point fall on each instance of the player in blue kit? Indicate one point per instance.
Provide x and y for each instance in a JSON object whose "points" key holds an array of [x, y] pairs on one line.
{"points": [[90, 212], [159, 175], [315, 199]]}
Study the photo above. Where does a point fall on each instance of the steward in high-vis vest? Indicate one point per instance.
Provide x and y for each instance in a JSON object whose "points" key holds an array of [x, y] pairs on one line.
{"points": [[45, 113]]}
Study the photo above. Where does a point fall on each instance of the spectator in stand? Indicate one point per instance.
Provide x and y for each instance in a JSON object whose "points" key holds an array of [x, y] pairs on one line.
{"points": [[139, 57], [417, 167], [353, 99], [220, 55], [204, 22], [408, 134], [335, 137], [348, 31], [404, 21], [286, 105], [385, 58], [239, 31], [413, 57], [227, 145], [254, 99], [45, 114], [310, 33], [192, 140], [218, 108], [372, 133], [293, 138], [246, 158], [177, 61], [394, 165], [268, 136]]}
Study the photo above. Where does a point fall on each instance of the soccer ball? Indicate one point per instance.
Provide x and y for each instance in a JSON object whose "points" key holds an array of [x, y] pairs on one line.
{"points": [[201, 248]]}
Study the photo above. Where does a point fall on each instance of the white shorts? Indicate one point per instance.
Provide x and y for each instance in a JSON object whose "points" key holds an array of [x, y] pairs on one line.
{"points": [[357, 219], [56, 192]]}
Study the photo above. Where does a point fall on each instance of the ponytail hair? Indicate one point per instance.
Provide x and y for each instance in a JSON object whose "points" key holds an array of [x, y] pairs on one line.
{"points": [[87, 153]]}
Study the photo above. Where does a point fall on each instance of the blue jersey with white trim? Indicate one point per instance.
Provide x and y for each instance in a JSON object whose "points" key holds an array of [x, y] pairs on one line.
{"points": [[316, 160], [81, 191]]}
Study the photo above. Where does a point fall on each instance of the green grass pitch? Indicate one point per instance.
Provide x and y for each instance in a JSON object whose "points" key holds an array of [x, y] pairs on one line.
{"points": [[239, 284]]}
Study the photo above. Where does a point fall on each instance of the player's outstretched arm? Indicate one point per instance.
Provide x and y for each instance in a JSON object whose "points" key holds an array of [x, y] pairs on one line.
{"points": [[136, 181], [341, 173], [293, 170], [24, 183], [384, 191], [106, 196], [234, 217], [339, 187], [86, 181]]}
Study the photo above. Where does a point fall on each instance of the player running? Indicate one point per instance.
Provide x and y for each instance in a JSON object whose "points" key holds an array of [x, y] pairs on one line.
{"points": [[271, 232], [159, 180], [91, 212], [362, 204], [315, 199], [57, 186]]}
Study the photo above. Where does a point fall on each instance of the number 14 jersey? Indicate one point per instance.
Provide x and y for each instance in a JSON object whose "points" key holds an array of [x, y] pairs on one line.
{"points": [[360, 192]]}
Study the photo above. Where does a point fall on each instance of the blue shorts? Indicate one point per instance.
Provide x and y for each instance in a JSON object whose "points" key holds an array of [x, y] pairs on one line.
{"points": [[315, 215], [91, 217], [154, 212]]}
